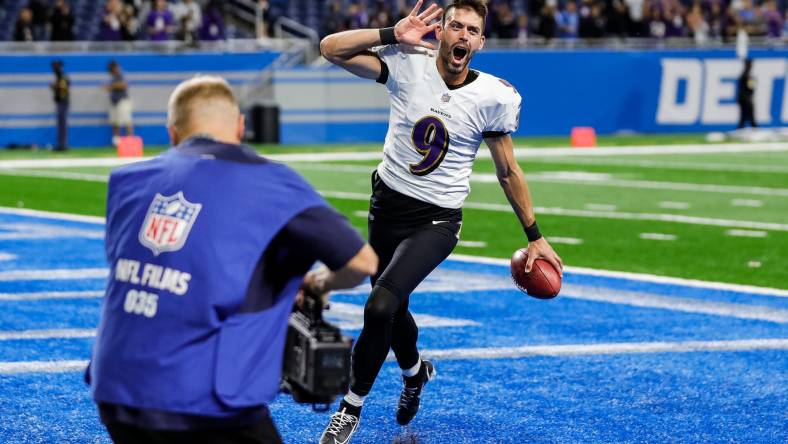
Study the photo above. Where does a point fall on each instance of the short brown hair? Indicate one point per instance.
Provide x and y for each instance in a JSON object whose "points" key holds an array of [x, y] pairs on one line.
{"points": [[477, 6], [184, 98]]}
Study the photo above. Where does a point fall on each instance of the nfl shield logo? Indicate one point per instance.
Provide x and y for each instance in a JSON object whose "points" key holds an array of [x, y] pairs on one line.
{"points": [[168, 222], [445, 98]]}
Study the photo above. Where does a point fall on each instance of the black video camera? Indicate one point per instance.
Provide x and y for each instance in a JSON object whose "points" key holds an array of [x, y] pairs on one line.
{"points": [[317, 357]]}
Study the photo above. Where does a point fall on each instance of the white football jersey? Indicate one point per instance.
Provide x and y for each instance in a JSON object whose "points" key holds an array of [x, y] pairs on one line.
{"points": [[434, 132]]}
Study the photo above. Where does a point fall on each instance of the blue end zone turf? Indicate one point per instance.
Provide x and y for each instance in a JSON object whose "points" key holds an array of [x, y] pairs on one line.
{"points": [[610, 360]]}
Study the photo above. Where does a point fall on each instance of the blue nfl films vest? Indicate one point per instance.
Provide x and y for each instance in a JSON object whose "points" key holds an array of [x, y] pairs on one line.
{"points": [[184, 233]]}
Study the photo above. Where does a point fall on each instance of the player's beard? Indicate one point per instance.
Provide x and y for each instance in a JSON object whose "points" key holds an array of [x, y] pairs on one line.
{"points": [[449, 60]]}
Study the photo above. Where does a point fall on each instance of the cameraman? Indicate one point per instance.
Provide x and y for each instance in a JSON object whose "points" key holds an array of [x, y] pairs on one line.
{"points": [[209, 244]]}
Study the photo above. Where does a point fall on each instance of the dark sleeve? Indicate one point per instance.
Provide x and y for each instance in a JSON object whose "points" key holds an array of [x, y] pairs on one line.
{"points": [[384, 72], [488, 134], [325, 235]]}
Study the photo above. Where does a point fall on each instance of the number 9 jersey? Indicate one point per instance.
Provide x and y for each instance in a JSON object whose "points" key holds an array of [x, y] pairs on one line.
{"points": [[435, 130]]}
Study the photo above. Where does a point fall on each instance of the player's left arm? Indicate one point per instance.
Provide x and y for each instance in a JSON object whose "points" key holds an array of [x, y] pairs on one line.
{"points": [[512, 180]]}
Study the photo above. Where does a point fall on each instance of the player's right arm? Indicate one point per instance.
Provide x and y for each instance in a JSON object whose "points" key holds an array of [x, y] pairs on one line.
{"points": [[350, 49]]}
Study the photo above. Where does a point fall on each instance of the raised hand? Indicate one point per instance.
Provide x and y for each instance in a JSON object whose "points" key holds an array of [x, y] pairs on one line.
{"points": [[412, 28]]}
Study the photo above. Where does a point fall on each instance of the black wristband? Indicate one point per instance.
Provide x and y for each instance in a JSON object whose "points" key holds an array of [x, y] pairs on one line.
{"points": [[387, 36], [532, 232]]}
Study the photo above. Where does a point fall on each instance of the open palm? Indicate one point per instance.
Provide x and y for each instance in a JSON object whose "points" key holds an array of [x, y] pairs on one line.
{"points": [[412, 28]]}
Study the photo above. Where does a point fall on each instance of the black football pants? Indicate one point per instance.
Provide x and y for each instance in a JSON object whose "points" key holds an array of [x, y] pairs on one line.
{"points": [[262, 432], [408, 253]]}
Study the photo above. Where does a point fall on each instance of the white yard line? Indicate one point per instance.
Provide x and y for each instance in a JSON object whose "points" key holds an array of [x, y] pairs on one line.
{"points": [[44, 295], [376, 155], [10, 368], [671, 303], [746, 233], [642, 277], [7, 256], [62, 333], [752, 203], [56, 175], [668, 165], [610, 348], [564, 240], [52, 215], [615, 348], [674, 205], [54, 274], [658, 236]]}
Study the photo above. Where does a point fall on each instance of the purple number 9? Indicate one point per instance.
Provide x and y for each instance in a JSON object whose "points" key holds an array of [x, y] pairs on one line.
{"points": [[431, 139]]}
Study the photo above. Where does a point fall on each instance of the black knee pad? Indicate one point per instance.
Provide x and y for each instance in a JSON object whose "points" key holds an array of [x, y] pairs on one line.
{"points": [[381, 305]]}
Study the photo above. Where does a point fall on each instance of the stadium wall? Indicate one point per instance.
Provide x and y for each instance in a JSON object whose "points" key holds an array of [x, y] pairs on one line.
{"points": [[27, 110], [657, 91]]}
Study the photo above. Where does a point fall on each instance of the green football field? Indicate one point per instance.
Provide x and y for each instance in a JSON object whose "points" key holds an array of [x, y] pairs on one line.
{"points": [[674, 207]]}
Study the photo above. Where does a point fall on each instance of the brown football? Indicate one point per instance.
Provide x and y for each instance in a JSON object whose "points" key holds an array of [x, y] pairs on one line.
{"points": [[542, 282]]}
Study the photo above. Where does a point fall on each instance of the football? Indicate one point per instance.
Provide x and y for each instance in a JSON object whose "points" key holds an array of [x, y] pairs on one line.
{"points": [[543, 282]]}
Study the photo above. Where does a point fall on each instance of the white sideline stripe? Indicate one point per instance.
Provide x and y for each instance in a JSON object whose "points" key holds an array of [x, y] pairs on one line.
{"points": [[63, 333], [645, 184], [676, 218], [376, 155], [52, 215], [564, 240], [754, 203], [362, 214], [10, 368], [658, 236], [674, 205], [54, 274], [600, 207], [56, 175], [766, 291], [471, 244], [672, 303], [665, 165], [45, 231], [7, 256], [614, 348], [642, 277], [587, 179], [43, 295], [746, 233]]}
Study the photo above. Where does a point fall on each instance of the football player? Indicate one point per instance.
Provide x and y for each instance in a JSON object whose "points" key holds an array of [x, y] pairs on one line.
{"points": [[441, 110]]}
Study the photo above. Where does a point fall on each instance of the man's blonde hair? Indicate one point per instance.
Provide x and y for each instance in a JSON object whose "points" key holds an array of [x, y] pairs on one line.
{"points": [[191, 95]]}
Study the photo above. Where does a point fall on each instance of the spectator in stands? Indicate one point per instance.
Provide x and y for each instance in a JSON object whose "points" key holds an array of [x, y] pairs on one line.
{"points": [[504, 24], [40, 9], [335, 20], [657, 28], [381, 17], [785, 26], [618, 19], [638, 26], [212, 21], [592, 23], [568, 21], [160, 23], [129, 25], [23, 31], [120, 103], [62, 22], [60, 94], [188, 15], [698, 27], [110, 28], [674, 22], [265, 30], [774, 21], [745, 91], [716, 20], [547, 24], [522, 28], [357, 17]]}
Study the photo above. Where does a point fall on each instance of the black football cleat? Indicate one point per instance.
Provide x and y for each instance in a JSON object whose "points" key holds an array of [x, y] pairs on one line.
{"points": [[342, 425], [411, 393]]}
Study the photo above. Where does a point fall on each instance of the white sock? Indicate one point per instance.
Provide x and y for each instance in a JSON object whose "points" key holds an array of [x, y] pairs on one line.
{"points": [[354, 399], [413, 371]]}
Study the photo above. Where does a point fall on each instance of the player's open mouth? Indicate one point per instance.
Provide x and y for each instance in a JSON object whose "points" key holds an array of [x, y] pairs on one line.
{"points": [[458, 54]]}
